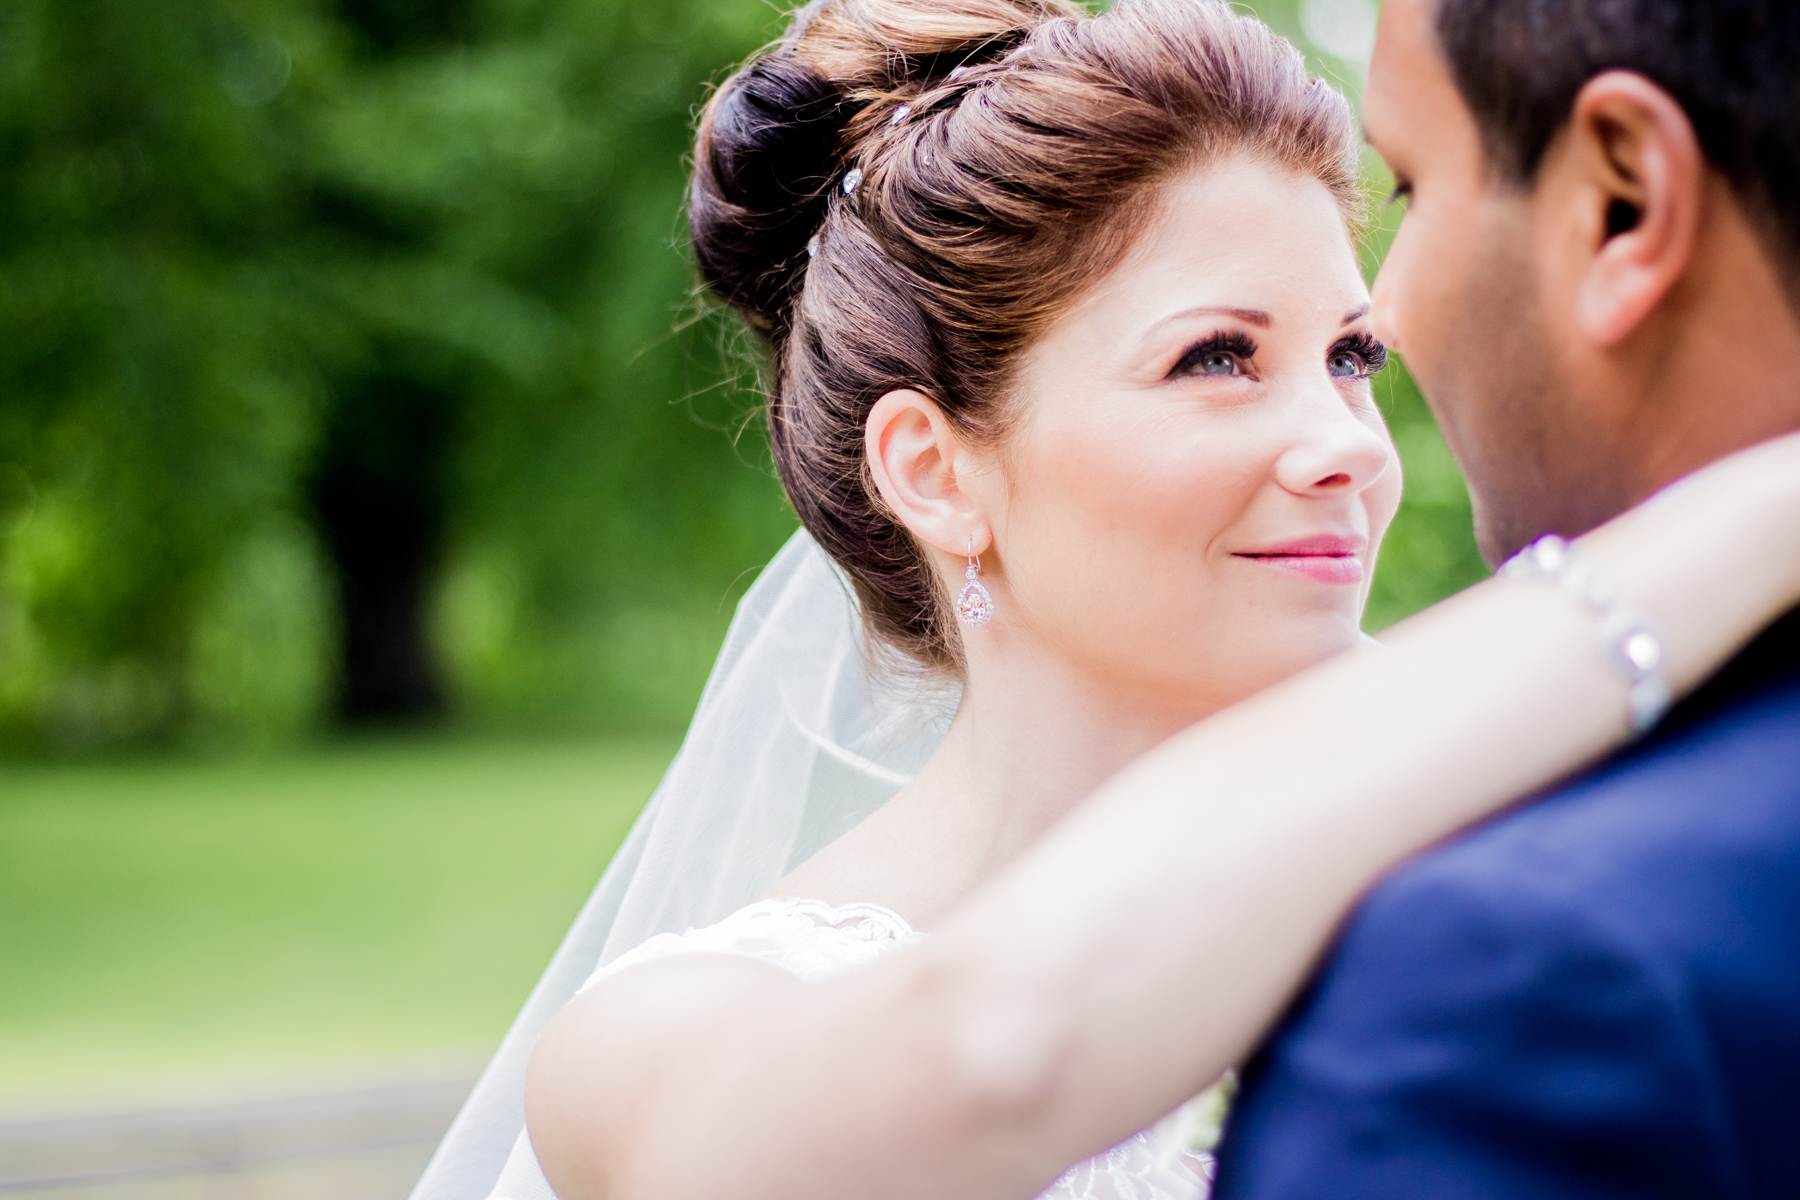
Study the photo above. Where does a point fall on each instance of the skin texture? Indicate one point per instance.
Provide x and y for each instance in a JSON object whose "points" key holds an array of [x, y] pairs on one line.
{"points": [[1574, 374]]}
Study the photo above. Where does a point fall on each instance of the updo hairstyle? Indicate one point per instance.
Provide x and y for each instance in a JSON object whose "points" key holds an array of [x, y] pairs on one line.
{"points": [[1008, 153]]}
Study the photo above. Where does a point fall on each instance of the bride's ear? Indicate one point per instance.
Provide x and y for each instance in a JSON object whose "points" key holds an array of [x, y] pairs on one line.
{"points": [[919, 464]]}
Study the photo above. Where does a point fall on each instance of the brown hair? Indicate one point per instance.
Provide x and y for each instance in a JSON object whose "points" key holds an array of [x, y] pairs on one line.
{"points": [[1018, 176]]}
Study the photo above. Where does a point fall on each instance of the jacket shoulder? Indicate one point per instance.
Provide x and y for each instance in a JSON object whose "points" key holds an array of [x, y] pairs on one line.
{"points": [[1593, 991]]}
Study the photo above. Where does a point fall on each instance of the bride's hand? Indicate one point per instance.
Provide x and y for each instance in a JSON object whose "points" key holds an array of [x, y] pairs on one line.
{"points": [[1711, 558]]}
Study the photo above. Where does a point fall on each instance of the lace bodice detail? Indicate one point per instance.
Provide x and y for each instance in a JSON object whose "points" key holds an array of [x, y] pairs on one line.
{"points": [[815, 940], [809, 938]]}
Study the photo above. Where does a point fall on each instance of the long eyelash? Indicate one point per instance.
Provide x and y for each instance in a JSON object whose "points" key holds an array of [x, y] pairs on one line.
{"points": [[1226, 341], [1365, 346]]}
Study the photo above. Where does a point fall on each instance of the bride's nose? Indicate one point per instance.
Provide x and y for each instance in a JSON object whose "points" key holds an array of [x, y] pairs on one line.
{"points": [[1335, 453]]}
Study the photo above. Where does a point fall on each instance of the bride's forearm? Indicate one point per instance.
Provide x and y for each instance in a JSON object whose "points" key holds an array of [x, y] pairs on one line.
{"points": [[1245, 840]]}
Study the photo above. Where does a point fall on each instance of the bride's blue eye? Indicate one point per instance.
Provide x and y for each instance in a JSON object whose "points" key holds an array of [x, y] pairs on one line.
{"points": [[1356, 357], [1219, 354]]}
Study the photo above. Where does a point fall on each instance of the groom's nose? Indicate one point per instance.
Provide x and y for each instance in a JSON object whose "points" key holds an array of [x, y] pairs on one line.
{"points": [[1383, 311]]}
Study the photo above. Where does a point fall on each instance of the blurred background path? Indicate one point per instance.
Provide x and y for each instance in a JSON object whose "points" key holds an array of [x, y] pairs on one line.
{"points": [[279, 976], [348, 1143]]}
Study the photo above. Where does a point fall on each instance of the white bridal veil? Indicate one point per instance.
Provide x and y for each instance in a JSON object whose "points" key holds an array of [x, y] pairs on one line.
{"points": [[792, 744]]}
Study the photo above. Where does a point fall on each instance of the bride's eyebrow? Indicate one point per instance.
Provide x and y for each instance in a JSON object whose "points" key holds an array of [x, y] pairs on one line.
{"points": [[1358, 315], [1249, 316]]}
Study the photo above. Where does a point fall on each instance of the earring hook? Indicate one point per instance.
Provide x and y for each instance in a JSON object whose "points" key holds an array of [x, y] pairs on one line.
{"points": [[974, 606]]}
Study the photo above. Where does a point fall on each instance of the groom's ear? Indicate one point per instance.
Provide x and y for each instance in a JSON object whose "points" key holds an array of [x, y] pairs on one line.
{"points": [[920, 467], [1633, 173]]}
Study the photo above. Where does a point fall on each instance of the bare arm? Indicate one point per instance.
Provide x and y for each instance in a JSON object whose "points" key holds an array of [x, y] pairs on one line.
{"points": [[1147, 941]]}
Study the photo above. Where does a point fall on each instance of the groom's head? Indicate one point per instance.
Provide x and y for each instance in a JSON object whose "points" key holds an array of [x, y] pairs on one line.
{"points": [[1596, 280]]}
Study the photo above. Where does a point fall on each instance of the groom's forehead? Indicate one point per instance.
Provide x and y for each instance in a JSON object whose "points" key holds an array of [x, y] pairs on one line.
{"points": [[1410, 86], [1405, 59], [1405, 18]]}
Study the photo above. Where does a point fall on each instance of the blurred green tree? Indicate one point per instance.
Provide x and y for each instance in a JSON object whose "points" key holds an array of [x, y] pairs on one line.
{"points": [[347, 363], [311, 308], [154, 389]]}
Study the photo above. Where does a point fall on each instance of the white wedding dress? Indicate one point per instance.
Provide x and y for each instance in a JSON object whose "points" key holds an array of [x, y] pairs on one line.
{"points": [[814, 941]]}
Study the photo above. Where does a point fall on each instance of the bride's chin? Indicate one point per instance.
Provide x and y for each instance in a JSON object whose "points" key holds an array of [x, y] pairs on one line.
{"points": [[1264, 658], [1196, 662]]}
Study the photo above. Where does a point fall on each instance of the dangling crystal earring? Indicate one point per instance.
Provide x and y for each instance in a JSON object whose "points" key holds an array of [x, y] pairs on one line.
{"points": [[973, 604]]}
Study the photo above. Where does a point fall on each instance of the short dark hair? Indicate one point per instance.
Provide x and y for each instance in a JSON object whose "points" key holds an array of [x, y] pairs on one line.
{"points": [[1734, 65]]}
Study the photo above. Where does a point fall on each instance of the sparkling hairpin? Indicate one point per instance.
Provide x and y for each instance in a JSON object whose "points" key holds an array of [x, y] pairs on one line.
{"points": [[852, 177], [812, 246], [900, 114], [958, 72]]}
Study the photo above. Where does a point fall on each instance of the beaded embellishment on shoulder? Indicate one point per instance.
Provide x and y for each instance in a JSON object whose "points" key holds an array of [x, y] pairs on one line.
{"points": [[808, 938]]}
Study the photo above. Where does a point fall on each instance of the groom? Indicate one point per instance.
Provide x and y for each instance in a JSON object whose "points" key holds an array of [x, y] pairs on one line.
{"points": [[1599, 993]]}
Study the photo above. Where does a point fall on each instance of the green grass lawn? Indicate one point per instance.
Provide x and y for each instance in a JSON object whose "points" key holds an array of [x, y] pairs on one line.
{"points": [[350, 903]]}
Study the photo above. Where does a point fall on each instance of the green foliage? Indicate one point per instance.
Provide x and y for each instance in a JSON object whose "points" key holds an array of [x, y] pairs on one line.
{"points": [[600, 509], [1429, 551], [227, 226], [147, 384]]}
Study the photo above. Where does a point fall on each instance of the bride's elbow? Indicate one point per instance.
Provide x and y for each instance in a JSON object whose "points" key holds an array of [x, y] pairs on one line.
{"points": [[621, 1078], [572, 1111], [598, 1126]]}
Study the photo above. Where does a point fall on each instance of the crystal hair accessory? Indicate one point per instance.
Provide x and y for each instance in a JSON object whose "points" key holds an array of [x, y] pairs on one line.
{"points": [[1630, 642], [900, 114], [957, 73], [812, 246], [852, 177], [973, 604]]}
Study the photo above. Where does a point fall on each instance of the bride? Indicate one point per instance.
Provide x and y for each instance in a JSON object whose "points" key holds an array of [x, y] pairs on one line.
{"points": [[1071, 379]]}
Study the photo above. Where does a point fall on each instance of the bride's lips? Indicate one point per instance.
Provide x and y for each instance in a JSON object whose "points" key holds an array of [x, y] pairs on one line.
{"points": [[1324, 558]]}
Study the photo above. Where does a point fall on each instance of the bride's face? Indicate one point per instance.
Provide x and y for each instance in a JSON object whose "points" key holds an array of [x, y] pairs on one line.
{"points": [[1192, 497]]}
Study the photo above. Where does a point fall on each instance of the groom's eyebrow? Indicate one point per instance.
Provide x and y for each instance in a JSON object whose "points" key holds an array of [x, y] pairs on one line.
{"points": [[1358, 315]]}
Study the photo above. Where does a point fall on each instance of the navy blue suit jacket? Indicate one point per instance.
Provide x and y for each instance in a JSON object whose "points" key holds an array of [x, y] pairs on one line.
{"points": [[1596, 994]]}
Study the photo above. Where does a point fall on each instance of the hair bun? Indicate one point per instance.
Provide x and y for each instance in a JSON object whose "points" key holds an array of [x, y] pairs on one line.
{"points": [[767, 153], [776, 135]]}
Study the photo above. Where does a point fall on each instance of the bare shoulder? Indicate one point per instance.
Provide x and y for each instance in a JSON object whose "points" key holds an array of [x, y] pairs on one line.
{"points": [[902, 857], [841, 873]]}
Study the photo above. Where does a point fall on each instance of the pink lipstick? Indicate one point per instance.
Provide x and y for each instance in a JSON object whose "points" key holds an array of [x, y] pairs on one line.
{"points": [[1323, 558]]}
